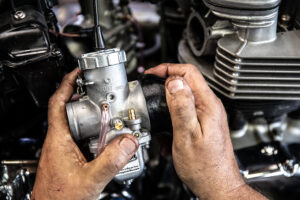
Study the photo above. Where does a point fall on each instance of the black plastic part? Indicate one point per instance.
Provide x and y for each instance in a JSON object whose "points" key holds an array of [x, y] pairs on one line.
{"points": [[154, 91], [100, 44], [253, 109], [295, 115], [251, 158], [13, 6], [237, 121]]}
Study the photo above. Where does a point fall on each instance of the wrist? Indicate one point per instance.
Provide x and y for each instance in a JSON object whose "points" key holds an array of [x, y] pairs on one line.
{"points": [[245, 192], [242, 191], [219, 186]]}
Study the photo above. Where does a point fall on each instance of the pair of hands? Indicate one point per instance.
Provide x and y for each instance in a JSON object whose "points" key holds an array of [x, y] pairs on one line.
{"points": [[202, 150]]}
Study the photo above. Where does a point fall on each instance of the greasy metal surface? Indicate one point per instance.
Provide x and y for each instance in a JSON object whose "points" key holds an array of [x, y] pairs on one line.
{"points": [[105, 81], [245, 4], [254, 63], [286, 45], [252, 26], [203, 37], [242, 89]]}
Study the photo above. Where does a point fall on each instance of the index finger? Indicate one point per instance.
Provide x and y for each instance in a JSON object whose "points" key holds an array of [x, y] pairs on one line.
{"points": [[202, 93], [57, 103]]}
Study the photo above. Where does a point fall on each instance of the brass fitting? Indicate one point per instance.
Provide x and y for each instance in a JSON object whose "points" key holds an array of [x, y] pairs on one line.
{"points": [[118, 125], [131, 114]]}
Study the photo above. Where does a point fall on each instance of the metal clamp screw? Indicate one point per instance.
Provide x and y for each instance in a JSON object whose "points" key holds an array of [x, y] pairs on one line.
{"points": [[19, 15], [80, 83]]}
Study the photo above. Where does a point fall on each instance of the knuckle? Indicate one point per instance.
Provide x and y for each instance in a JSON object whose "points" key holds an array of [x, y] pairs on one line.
{"points": [[218, 101], [190, 68], [114, 166], [117, 166], [180, 145], [52, 100], [177, 146], [219, 108], [180, 106], [66, 77]]}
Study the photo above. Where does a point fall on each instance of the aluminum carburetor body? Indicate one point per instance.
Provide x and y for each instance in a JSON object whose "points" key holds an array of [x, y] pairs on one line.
{"points": [[109, 93]]}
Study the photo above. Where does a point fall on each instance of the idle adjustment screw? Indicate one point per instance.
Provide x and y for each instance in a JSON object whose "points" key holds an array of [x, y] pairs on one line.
{"points": [[118, 124]]}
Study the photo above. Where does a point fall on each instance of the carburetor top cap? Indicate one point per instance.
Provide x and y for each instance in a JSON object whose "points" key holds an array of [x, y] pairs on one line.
{"points": [[103, 58]]}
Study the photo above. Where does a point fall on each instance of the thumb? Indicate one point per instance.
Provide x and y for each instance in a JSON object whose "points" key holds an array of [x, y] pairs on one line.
{"points": [[114, 157], [182, 109]]}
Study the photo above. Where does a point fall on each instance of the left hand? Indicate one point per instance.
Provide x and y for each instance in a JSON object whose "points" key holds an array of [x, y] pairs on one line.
{"points": [[63, 172]]}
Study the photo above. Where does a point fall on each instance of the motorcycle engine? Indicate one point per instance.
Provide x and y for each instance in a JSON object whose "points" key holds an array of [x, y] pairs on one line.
{"points": [[248, 51]]}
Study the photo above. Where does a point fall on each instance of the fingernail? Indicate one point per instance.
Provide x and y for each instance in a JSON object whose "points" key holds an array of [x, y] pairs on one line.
{"points": [[175, 85], [128, 146]]}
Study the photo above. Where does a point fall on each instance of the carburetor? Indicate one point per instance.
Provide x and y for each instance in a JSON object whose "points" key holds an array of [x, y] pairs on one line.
{"points": [[111, 107]]}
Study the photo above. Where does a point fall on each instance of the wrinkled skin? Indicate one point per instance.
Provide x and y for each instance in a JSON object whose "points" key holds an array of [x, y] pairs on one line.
{"points": [[63, 172], [202, 149]]}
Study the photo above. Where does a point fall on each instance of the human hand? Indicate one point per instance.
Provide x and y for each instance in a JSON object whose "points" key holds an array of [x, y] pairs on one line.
{"points": [[202, 151], [63, 172]]}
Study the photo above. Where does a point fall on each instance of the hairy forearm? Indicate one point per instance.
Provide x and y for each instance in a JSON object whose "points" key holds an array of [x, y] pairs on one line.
{"points": [[243, 192]]}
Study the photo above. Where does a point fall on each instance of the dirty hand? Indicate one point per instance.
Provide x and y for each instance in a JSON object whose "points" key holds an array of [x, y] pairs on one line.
{"points": [[202, 150], [63, 172]]}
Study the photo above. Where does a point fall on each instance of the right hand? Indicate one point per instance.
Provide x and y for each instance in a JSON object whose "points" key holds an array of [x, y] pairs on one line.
{"points": [[202, 150]]}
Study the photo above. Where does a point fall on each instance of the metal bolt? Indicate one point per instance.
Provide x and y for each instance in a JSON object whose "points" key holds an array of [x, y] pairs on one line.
{"points": [[118, 124], [128, 182], [107, 80], [285, 18], [56, 53], [137, 135], [269, 151], [131, 114], [19, 15]]}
